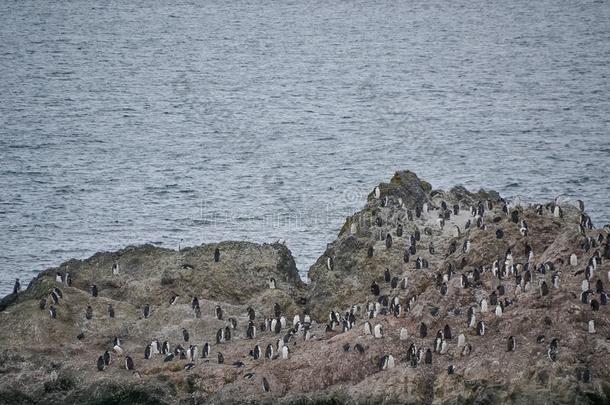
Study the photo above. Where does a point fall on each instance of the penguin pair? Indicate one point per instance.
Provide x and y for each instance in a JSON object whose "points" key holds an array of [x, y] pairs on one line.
{"points": [[256, 352], [386, 362]]}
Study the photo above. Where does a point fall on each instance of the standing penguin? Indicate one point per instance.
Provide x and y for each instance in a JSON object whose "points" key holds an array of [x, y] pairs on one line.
{"points": [[387, 362], [444, 289], [116, 346], [165, 349], [428, 357], [573, 260], [388, 241], [101, 365], [216, 255], [461, 340], [192, 353], [251, 313], [399, 230], [555, 280], [277, 310], [154, 347], [129, 363], [269, 352], [370, 251], [481, 328], [256, 353], [329, 263], [483, 305], [544, 289], [553, 350], [404, 333], [367, 328], [438, 341], [55, 297], [110, 311], [511, 345], [423, 330], [265, 385], [378, 331], [251, 331], [220, 335], [227, 333], [221, 358], [94, 290], [107, 358], [185, 335], [115, 268], [17, 286], [375, 289], [447, 332], [89, 312], [218, 312]]}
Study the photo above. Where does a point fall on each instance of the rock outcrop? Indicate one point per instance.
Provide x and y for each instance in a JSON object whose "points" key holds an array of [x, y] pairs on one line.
{"points": [[518, 270]]}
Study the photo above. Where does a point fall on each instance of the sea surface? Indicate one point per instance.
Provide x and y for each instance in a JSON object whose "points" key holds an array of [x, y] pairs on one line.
{"points": [[130, 122]]}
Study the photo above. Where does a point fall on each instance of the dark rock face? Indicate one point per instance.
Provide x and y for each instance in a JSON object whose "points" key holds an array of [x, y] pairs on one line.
{"points": [[559, 356]]}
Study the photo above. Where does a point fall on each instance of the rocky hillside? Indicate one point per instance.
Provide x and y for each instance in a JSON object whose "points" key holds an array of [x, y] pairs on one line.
{"points": [[426, 296]]}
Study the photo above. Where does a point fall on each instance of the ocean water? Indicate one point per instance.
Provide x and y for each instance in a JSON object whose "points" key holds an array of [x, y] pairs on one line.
{"points": [[198, 121]]}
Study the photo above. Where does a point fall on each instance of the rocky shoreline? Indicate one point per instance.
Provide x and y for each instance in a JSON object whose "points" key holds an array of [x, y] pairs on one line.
{"points": [[426, 296]]}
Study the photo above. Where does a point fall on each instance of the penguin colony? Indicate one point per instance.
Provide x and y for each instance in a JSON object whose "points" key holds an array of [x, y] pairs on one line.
{"points": [[191, 351], [474, 303], [485, 297]]}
